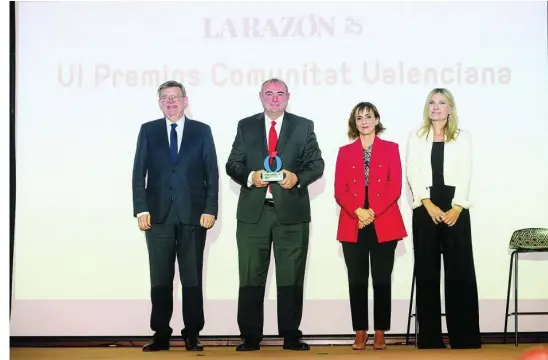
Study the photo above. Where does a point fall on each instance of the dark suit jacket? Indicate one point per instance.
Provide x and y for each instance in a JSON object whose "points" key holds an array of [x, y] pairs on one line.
{"points": [[192, 184], [299, 151]]}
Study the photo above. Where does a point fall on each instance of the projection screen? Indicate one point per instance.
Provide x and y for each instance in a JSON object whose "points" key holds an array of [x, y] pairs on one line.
{"points": [[87, 75]]}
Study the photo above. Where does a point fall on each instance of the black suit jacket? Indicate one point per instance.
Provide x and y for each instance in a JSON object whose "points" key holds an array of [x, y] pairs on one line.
{"points": [[192, 184], [299, 151]]}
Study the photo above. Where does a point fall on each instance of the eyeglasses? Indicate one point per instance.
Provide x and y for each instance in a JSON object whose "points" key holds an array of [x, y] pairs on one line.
{"points": [[171, 98]]}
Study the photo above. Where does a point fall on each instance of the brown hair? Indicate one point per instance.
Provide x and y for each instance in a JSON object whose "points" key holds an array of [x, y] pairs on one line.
{"points": [[353, 132]]}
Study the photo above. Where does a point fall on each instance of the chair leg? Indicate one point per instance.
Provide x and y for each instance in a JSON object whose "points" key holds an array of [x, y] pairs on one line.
{"points": [[508, 296], [516, 299], [416, 330], [410, 309]]}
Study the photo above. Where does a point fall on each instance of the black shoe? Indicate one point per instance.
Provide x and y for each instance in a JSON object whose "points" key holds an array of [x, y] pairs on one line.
{"points": [[156, 345], [193, 344], [297, 344], [248, 345]]}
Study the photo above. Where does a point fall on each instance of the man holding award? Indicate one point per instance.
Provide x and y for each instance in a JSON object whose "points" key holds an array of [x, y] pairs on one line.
{"points": [[275, 157]]}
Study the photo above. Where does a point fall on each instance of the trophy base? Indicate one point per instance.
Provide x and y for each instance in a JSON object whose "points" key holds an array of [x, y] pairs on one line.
{"points": [[272, 176]]}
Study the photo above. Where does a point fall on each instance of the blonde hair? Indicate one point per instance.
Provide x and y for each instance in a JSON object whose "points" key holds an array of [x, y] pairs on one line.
{"points": [[451, 126]]}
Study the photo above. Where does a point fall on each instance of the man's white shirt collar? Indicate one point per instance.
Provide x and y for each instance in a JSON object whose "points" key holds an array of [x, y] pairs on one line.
{"points": [[179, 122], [279, 120]]}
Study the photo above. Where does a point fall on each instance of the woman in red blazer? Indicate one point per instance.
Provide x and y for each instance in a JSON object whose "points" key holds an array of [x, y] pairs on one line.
{"points": [[368, 182]]}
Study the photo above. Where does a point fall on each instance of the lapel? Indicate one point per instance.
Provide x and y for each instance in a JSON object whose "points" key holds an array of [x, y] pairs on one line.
{"points": [[357, 149], [261, 129], [428, 142], [377, 153], [162, 133], [186, 138], [356, 161], [286, 130]]}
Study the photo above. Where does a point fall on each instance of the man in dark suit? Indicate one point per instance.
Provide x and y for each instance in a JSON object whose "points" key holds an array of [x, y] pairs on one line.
{"points": [[175, 208], [275, 214]]}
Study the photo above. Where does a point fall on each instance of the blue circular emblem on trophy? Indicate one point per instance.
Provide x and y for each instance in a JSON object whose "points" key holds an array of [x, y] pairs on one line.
{"points": [[272, 175]]}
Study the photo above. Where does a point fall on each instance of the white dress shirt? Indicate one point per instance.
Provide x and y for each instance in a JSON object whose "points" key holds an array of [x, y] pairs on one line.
{"points": [[179, 130], [457, 167], [268, 125]]}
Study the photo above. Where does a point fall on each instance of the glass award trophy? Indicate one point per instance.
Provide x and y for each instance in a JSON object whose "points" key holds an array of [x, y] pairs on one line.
{"points": [[272, 175]]}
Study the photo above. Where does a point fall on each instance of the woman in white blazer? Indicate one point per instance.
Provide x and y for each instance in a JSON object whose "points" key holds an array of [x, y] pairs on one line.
{"points": [[439, 166]]}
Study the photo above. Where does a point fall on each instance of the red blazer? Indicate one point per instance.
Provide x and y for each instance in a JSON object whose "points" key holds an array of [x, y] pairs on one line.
{"points": [[385, 183]]}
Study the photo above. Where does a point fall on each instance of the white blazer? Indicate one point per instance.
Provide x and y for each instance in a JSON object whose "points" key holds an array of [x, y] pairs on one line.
{"points": [[457, 167]]}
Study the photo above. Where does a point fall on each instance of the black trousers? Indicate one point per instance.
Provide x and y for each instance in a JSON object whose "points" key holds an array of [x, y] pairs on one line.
{"points": [[167, 242], [356, 257], [290, 244], [461, 294]]}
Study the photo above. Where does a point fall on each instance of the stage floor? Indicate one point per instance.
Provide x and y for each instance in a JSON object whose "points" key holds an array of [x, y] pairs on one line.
{"points": [[499, 352]]}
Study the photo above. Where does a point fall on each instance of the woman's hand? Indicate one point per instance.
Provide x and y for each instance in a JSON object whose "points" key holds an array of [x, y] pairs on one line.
{"points": [[434, 211], [452, 215], [365, 216]]}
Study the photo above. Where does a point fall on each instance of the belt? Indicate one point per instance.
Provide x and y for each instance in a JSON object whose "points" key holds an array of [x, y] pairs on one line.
{"points": [[269, 202]]}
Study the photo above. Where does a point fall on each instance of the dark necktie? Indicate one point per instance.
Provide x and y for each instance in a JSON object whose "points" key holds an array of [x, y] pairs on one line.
{"points": [[173, 144]]}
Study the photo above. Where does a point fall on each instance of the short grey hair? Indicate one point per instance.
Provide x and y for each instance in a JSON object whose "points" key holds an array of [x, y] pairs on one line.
{"points": [[169, 84], [275, 80]]}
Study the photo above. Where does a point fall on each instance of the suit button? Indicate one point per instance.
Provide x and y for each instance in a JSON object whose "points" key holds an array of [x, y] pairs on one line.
{"points": [[173, 171], [353, 167], [355, 194], [353, 180], [169, 188], [378, 194], [380, 165], [378, 180]]}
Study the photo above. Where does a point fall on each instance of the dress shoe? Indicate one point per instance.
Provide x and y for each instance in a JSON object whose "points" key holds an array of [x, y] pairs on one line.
{"points": [[295, 345], [360, 341], [379, 342], [247, 345], [193, 344], [156, 345]]}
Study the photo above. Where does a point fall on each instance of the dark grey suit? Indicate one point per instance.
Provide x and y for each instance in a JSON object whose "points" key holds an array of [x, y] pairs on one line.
{"points": [[176, 195], [285, 223]]}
